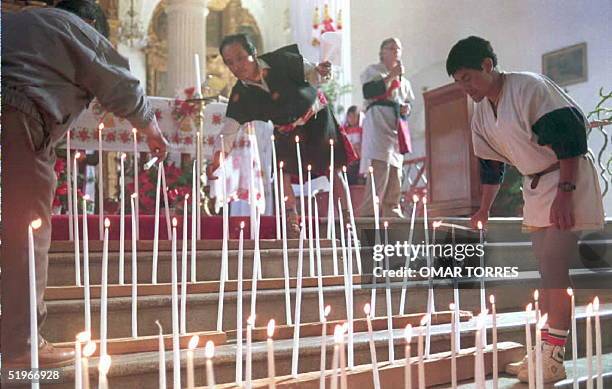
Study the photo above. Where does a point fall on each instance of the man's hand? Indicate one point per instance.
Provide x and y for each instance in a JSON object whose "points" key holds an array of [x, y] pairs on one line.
{"points": [[324, 69], [482, 215], [404, 109], [155, 140], [397, 71], [561, 212], [212, 166]]}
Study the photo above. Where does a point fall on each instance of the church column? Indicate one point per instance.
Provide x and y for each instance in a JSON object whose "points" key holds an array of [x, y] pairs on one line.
{"points": [[186, 37]]}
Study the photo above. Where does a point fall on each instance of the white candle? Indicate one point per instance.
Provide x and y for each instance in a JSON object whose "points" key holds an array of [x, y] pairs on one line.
{"points": [[270, 344], [104, 364], [194, 227], [352, 217], [375, 376], [479, 377], [81, 338], [100, 181], [453, 347], [349, 286], [86, 294], [530, 361], [343, 248], [198, 80], [249, 351], [285, 255], [539, 368], [598, 344], [256, 265], [494, 340], [536, 295], [136, 167], [323, 347], [330, 201], [298, 305], [300, 177], [176, 347], [276, 189], [343, 376], [310, 231], [415, 200], [374, 287], [388, 300], [161, 357], [430, 295], [69, 188], [156, 226], [75, 212], [193, 344], [319, 264], [133, 202], [423, 323], [570, 292], [589, 346], [104, 291], [338, 334], [184, 270], [196, 211], [374, 200], [122, 219], [88, 351], [209, 353], [239, 307], [166, 202], [408, 366]]}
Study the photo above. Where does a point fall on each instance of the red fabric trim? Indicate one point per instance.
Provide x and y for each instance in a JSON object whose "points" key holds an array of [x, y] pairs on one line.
{"points": [[556, 341]]}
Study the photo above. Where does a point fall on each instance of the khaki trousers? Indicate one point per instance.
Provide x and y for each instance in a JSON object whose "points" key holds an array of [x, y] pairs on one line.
{"points": [[28, 185], [387, 184]]}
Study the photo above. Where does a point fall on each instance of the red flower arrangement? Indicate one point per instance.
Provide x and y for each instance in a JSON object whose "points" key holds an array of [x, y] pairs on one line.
{"points": [[61, 191]]}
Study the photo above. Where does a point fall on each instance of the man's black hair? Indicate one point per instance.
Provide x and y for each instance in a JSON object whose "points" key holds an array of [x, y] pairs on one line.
{"points": [[469, 53], [241, 39], [352, 109], [89, 11]]}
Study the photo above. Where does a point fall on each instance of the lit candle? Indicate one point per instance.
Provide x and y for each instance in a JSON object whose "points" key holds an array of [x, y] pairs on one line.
{"points": [[136, 167], [134, 201], [300, 177], [209, 353], [176, 347], [194, 227], [193, 343], [415, 200], [589, 346], [494, 334], [198, 85], [161, 357], [319, 264], [100, 181], [298, 305], [82, 337], [374, 287], [69, 188], [164, 188], [156, 226], [184, 270], [104, 291], [323, 347], [104, 364], [75, 214], [352, 218], [430, 295], [530, 361], [570, 292], [285, 254], [408, 366], [88, 351], [375, 376], [349, 286], [536, 295], [122, 219], [270, 343], [338, 334], [86, 294], [423, 323], [538, 351], [598, 344], [310, 235], [388, 300], [239, 307], [275, 187], [453, 347], [249, 351]]}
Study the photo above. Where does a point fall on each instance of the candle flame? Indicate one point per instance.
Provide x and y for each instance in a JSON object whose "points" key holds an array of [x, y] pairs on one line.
{"points": [[106, 222], [589, 309], [424, 200], [436, 224], [338, 334], [344, 168], [309, 167], [366, 309], [123, 156], [344, 327], [186, 196], [492, 299], [371, 170], [36, 223], [242, 225], [134, 130], [327, 310], [529, 307], [134, 196], [297, 139], [193, 342], [251, 320], [83, 336], [479, 225], [424, 320], [542, 321], [104, 364], [86, 197], [209, 349], [77, 155], [89, 349], [596, 304], [331, 142], [101, 126], [408, 333], [415, 198], [570, 292], [386, 224], [451, 306], [536, 294], [174, 222], [281, 164], [271, 325]]}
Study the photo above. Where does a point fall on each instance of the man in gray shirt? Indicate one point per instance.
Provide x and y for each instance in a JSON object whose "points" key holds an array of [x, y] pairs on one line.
{"points": [[53, 64]]}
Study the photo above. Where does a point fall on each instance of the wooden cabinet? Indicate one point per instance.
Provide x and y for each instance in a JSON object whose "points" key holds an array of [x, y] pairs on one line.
{"points": [[452, 169]]}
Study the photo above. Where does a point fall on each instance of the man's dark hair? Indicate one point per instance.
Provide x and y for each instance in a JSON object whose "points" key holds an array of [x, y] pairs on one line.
{"points": [[241, 39], [89, 11], [352, 109], [469, 53]]}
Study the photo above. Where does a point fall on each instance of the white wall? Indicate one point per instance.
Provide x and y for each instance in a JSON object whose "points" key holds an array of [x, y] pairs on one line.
{"points": [[520, 32]]}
